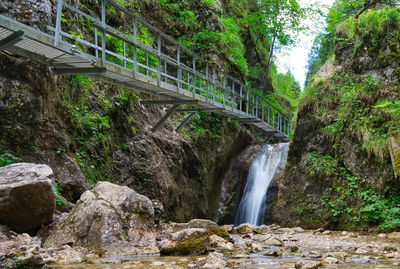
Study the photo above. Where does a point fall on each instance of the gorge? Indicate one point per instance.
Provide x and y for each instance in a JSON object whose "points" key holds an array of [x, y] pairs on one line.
{"points": [[87, 182]]}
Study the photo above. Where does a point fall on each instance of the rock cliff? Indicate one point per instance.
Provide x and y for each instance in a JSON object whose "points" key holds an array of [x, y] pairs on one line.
{"points": [[339, 173]]}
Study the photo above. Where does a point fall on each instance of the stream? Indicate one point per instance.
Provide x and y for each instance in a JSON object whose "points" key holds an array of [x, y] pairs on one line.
{"points": [[327, 249]]}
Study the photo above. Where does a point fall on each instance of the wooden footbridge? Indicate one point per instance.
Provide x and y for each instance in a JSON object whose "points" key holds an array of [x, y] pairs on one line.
{"points": [[140, 57]]}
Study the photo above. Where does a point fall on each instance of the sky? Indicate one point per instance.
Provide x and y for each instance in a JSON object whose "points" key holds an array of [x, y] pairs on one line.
{"points": [[295, 58]]}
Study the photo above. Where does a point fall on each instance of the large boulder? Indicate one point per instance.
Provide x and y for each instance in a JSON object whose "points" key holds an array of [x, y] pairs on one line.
{"points": [[27, 196], [109, 219], [192, 241]]}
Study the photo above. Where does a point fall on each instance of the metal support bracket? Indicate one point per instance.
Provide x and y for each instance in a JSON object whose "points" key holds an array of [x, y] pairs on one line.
{"points": [[246, 120], [188, 118], [169, 102], [78, 70], [163, 119], [11, 39]]}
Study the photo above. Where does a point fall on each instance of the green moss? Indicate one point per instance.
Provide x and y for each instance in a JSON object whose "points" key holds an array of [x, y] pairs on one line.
{"points": [[196, 245]]}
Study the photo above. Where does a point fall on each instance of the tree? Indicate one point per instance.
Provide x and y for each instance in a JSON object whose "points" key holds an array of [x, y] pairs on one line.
{"points": [[279, 19]]}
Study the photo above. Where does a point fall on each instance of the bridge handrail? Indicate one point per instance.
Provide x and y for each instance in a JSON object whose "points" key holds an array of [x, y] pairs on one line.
{"points": [[259, 107]]}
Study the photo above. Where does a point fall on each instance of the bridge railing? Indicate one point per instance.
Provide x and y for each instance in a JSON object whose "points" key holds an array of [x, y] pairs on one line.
{"points": [[146, 50]]}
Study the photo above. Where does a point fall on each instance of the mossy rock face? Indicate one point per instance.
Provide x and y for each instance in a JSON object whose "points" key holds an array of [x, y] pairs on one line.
{"points": [[197, 245], [244, 228], [210, 226], [394, 146], [192, 241]]}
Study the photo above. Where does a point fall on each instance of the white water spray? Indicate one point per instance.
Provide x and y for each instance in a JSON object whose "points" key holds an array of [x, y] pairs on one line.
{"points": [[263, 169]]}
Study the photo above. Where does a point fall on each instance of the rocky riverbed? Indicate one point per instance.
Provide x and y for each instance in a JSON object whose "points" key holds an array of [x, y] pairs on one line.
{"points": [[244, 246], [112, 226]]}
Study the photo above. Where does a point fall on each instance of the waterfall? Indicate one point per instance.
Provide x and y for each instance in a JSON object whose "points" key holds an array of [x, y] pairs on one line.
{"points": [[263, 169]]}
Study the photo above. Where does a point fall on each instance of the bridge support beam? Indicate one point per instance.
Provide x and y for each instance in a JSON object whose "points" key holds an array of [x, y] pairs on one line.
{"points": [[78, 70], [169, 102], [188, 118], [246, 120], [11, 39], [163, 119]]}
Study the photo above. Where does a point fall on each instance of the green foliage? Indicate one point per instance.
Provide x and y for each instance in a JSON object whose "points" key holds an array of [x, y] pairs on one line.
{"points": [[210, 3], [8, 158], [359, 111], [234, 47], [57, 187], [338, 21], [279, 19], [321, 165], [380, 209]]}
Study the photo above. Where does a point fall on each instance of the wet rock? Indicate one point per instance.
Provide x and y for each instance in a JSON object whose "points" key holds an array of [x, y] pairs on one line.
{"points": [[273, 241], [108, 219], [244, 228], [27, 196], [339, 255], [388, 248], [256, 247], [175, 227], [23, 251], [330, 260], [262, 229], [319, 230], [291, 250], [298, 230], [307, 265], [210, 226], [189, 241], [63, 255], [228, 227], [215, 240], [225, 246], [215, 261], [273, 253], [394, 235], [393, 255]]}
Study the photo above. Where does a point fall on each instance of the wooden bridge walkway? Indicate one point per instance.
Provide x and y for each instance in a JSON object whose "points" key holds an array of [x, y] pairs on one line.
{"points": [[141, 58]]}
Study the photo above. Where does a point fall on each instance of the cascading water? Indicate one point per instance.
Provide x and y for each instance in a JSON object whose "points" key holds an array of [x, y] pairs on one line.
{"points": [[263, 169]]}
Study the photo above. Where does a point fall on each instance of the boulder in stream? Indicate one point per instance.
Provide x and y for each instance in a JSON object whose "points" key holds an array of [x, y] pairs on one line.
{"points": [[27, 196], [109, 219]]}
